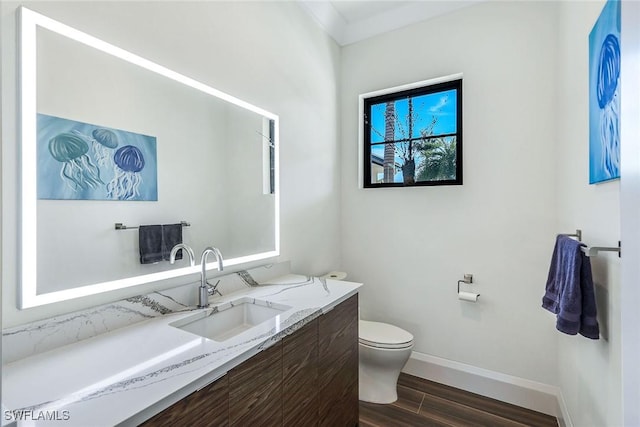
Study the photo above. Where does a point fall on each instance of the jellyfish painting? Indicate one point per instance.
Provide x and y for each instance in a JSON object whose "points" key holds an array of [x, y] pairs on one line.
{"points": [[77, 169], [608, 94], [125, 184], [98, 162], [604, 94], [104, 141]]}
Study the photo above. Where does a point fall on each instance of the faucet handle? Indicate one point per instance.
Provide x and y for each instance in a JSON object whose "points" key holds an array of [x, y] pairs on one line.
{"points": [[213, 289]]}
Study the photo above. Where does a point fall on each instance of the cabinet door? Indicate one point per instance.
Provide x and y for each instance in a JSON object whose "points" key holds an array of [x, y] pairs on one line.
{"points": [[338, 365], [206, 407], [255, 390], [300, 376]]}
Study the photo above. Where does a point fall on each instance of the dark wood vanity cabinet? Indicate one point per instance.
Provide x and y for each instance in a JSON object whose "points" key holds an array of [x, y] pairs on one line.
{"points": [[338, 365], [208, 406], [255, 390], [309, 378], [300, 376]]}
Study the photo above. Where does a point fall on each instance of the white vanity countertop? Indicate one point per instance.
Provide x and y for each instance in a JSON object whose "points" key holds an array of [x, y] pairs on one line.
{"points": [[127, 375]]}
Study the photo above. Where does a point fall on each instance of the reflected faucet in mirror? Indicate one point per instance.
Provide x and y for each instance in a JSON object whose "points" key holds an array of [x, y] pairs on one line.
{"points": [[204, 288], [187, 249]]}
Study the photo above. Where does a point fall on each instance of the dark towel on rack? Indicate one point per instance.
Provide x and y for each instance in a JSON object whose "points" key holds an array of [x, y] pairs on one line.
{"points": [[150, 243], [171, 236], [569, 292]]}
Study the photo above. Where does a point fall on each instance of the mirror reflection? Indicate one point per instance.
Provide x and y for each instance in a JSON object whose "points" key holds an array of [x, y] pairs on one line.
{"points": [[116, 142]]}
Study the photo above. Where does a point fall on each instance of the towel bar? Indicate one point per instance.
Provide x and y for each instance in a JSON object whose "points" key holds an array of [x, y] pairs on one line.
{"points": [[121, 226], [593, 250]]}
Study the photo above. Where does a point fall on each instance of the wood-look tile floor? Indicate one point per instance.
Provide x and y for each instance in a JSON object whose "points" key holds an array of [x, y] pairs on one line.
{"points": [[426, 403]]}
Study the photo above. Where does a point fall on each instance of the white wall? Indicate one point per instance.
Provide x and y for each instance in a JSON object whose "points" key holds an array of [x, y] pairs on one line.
{"points": [[411, 245], [269, 54], [630, 212], [589, 371]]}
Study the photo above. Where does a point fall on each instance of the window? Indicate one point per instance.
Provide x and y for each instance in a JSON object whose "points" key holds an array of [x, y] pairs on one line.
{"points": [[413, 136]]}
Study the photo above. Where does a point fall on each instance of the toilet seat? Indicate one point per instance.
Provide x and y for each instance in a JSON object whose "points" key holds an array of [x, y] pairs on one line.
{"points": [[383, 335]]}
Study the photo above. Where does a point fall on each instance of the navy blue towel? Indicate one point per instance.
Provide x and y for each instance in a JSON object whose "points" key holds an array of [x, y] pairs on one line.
{"points": [[150, 243], [569, 291], [156, 241], [171, 236]]}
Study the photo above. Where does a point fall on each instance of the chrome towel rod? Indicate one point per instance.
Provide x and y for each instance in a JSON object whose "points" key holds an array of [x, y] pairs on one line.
{"points": [[593, 250], [121, 226]]}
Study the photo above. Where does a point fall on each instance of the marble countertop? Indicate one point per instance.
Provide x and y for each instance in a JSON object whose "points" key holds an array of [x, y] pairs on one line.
{"points": [[125, 376]]}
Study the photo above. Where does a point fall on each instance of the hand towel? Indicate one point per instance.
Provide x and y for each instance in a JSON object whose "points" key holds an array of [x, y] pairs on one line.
{"points": [[171, 236], [569, 291], [150, 243]]}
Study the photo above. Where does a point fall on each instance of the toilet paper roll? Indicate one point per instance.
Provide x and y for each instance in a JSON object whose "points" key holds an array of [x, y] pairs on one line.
{"points": [[335, 275], [468, 296]]}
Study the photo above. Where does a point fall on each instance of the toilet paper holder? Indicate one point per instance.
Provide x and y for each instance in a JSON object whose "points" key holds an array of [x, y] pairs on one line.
{"points": [[468, 278]]}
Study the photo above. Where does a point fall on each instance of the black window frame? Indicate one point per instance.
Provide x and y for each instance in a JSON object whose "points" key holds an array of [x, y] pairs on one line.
{"points": [[405, 94]]}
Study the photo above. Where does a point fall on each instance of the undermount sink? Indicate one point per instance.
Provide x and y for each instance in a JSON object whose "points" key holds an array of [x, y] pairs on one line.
{"points": [[230, 319]]}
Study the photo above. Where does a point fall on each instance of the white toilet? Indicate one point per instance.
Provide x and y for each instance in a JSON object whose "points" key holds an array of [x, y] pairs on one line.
{"points": [[384, 350]]}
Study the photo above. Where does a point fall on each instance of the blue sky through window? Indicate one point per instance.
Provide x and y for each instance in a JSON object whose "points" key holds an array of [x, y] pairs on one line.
{"points": [[426, 146], [440, 105]]}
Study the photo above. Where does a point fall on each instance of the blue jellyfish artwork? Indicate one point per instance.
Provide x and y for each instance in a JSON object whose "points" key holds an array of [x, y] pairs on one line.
{"points": [[83, 161], [77, 169], [604, 95], [103, 141], [607, 85], [129, 161]]}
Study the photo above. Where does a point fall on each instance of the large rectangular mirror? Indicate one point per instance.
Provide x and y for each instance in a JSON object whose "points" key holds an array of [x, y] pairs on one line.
{"points": [[109, 138]]}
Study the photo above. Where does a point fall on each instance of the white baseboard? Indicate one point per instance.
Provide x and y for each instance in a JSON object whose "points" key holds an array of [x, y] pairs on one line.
{"points": [[564, 420], [515, 390]]}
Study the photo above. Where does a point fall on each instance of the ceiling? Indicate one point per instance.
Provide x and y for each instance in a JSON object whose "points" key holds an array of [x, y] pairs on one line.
{"points": [[349, 21]]}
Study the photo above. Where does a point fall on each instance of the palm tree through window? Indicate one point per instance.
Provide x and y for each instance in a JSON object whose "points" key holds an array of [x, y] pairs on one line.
{"points": [[414, 137]]}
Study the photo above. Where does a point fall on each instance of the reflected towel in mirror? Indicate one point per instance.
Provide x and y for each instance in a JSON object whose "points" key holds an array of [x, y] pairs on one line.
{"points": [[156, 241], [171, 236], [150, 243]]}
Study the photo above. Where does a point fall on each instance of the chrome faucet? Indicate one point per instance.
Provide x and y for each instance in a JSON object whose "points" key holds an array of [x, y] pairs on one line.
{"points": [[187, 249], [203, 291]]}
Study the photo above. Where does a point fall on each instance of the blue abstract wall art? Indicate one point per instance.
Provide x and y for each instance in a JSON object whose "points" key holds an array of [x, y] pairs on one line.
{"points": [[604, 95], [82, 161]]}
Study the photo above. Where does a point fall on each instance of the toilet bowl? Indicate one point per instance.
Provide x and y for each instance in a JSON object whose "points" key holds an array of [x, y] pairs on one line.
{"points": [[384, 350]]}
